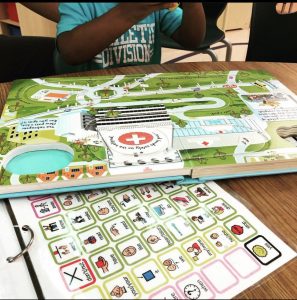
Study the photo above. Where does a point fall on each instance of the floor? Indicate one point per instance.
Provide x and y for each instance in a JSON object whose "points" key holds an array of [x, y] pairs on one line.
{"points": [[236, 37]]}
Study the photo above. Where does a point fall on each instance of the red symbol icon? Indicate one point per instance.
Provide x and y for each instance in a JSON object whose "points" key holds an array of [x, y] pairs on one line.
{"points": [[135, 138], [236, 229], [205, 143]]}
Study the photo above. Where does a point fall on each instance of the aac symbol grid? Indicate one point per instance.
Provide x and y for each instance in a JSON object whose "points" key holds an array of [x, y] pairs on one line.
{"points": [[64, 250], [45, 207], [127, 199], [106, 263], [148, 192], [180, 228], [53, 227], [89, 293], [141, 218], [77, 275], [202, 192], [80, 218], [220, 239], [121, 286], [118, 228], [183, 200], [198, 250], [157, 238], [94, 195], [174, 263], [169, 187], [149, 276], [132, 250], [163, 209], [201, 218], [168, 292], [194, 286], [104, 209], [240, 228], [92, 239], [220, 209], [70, 201], [262, 250]]}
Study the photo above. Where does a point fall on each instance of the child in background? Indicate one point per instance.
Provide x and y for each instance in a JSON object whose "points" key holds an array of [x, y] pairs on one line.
{"points": [[105, 35]]}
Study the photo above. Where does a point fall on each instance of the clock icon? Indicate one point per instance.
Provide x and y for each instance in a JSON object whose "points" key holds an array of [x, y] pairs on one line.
{"points": [[192, 291]]}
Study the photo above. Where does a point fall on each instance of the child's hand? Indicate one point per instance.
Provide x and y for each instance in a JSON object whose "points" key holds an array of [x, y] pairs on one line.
{"points": [[142, 9]]}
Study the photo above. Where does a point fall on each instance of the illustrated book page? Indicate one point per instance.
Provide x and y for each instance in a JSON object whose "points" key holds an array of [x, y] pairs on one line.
{"points": [[59, 132]]}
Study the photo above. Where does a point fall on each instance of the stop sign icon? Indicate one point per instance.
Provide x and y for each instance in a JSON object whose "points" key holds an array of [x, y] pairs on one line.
{"points": [[135, 138]]}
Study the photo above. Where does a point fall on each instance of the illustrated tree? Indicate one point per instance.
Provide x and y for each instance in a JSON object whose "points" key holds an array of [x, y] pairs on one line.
{"points": [[220, 154], [201, 159], [15, 107], [93, 110], [106, 92], [85, 154], [4, 144], [28, 179], [181, 123], [231, 92], [245, 111], [198, 95], [234, 114], [4, 176], [163, 83], [112, 113]]}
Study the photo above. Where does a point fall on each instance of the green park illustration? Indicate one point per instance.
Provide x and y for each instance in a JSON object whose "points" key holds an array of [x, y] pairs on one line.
{"points": [[112, 125]]}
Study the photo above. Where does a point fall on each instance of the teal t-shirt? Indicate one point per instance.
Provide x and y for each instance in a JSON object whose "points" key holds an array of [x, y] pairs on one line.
{"points": [[139, 45]]}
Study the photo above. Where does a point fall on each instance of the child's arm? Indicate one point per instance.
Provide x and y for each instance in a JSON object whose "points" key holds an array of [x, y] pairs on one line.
{"points": [[85, 41], [192, 30]]}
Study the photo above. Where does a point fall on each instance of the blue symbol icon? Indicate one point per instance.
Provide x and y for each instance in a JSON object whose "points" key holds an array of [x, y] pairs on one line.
{"points": [[148, 275], [159, 210]]}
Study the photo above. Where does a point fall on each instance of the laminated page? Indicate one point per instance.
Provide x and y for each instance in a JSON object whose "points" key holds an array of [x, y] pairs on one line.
{"points": [[153, 241]]}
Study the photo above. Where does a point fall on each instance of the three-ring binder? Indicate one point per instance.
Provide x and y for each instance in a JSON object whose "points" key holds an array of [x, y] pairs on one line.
{"points": [[11, 259]]}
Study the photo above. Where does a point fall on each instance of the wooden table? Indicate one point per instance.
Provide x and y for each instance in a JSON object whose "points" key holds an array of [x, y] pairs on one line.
{"points": [[273, 199]]}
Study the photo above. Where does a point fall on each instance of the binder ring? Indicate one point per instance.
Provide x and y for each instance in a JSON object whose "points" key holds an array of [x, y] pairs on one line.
{"points": [[14, 258]]}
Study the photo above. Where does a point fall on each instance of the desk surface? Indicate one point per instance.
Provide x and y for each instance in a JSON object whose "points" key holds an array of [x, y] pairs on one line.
{"points": [[271, 198]]}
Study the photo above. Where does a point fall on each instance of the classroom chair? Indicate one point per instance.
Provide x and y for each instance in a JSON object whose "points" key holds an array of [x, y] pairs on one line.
{"points": [[213, 35], [273, 35], [26, 57]]}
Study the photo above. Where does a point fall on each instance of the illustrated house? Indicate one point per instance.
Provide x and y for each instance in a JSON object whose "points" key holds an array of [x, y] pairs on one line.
{"points": [[73, 172], [96, 169], [50, 176]]}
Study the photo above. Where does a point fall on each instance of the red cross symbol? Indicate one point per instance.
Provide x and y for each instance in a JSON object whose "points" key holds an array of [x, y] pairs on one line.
{"points": [[135, 138]]}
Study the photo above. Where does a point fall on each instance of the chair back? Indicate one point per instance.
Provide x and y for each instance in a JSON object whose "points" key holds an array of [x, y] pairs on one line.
{"points": [[273, 36], [26, 57], [213, 10]]}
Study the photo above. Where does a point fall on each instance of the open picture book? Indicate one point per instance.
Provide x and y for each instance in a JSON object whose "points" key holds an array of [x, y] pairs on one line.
{"points": [[61, 134]]}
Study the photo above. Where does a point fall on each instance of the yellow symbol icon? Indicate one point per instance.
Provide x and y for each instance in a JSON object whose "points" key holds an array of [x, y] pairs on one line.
{"points": [[260, 251]]}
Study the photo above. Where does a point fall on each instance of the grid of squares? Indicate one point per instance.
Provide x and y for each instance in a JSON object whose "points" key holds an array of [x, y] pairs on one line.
{"points": [[137, 239]]}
